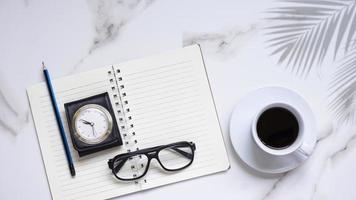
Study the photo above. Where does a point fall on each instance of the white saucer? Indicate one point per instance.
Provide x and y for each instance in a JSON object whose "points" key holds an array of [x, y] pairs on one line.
{"points": [[240, 129]]}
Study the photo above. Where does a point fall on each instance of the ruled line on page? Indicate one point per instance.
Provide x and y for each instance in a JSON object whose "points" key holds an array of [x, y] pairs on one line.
{"points": [[45, 96], [150, 68], [144, 94], [78, 94], [169, 73]]}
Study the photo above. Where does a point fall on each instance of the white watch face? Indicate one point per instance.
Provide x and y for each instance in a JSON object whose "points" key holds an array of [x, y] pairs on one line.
{"points": [[92, 123]]}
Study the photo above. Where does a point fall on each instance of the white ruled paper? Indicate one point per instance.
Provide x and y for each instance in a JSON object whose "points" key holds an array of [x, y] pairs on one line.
{"points": [[166, 98], [170, 100]]}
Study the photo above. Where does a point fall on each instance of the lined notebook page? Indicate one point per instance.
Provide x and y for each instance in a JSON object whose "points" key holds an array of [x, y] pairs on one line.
{"points": [[94, 180], [170, 100]]}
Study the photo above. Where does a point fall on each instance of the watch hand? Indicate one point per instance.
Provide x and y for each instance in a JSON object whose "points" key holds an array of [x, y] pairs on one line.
{"points": [[92, 127], [87, 122]]}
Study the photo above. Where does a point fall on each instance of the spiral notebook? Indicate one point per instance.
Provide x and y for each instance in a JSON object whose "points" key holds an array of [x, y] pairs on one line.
{"points": [[167, 99]]}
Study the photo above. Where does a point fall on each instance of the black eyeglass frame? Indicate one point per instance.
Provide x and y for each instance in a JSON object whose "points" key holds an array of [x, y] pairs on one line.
{"points": [[152, 153]]}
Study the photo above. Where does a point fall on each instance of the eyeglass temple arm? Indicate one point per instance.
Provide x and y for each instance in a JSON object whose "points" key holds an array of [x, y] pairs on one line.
{"points": [[185, 154], [118, 167]]}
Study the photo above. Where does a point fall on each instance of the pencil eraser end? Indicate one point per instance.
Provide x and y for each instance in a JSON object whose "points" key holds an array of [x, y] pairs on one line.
{"points": [[72, 170]]}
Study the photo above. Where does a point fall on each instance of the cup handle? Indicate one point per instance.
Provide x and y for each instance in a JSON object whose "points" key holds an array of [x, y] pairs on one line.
{"points": [[304, 151]]}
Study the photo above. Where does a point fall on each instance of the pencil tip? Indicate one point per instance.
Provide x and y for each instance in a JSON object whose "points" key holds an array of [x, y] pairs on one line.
{"points": [[43, 65]]}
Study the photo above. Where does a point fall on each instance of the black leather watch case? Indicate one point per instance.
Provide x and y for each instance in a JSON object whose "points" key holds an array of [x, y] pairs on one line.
{"points": [[113, 139]]}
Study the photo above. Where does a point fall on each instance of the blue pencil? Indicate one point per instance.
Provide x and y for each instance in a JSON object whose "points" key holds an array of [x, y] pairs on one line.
{"points": [[58, 119]]}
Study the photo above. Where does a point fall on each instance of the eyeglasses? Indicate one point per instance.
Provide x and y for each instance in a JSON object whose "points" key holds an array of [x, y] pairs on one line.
{"points": [[171, 157]]}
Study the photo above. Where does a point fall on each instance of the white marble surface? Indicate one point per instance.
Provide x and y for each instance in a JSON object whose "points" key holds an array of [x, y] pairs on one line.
{"points": [[75, 36]]}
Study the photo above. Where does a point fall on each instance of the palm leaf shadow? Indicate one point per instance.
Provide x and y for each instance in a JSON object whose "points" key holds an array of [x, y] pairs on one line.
{"points": [[342, 89], [306, 30]]}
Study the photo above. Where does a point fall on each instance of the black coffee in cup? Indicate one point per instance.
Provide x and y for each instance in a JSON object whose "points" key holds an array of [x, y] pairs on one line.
{"points": [[277, 127]]}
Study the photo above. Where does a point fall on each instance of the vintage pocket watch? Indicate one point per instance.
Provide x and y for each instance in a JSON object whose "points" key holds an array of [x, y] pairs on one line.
{"points": [[92, 124]]}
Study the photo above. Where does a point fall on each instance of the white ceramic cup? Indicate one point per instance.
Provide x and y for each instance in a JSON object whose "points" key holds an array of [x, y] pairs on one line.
{"points": [[299, 147]]}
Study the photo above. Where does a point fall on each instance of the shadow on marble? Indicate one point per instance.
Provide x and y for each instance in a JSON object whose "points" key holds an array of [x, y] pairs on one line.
{"points": [[238, 161]]}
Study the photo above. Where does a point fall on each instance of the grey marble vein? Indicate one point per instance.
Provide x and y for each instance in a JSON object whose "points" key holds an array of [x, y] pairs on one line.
{"points": [[317, 181], [315, 189], [313, 169], [327, 132], [274, 186], [224, 43], [7, 127], [11, 118], [6, 103], [345, 148], [110, 17], [321, 137], [330, 154]]}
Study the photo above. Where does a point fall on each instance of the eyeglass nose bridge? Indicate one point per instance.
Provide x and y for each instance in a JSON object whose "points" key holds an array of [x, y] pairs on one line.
{"points": [[152, 155], [110, 163]]}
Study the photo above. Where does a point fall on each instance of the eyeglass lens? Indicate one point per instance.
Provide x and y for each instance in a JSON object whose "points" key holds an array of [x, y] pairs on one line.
{"points": [[173, 158]]}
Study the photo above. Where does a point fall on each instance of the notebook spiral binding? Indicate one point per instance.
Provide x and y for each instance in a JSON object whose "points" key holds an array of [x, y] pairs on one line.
{"points": [[125, 117]]}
